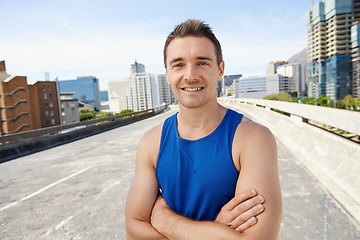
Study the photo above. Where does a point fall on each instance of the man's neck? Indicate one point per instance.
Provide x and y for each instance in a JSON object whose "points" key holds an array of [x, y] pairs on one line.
{"points": [[196, 123]]}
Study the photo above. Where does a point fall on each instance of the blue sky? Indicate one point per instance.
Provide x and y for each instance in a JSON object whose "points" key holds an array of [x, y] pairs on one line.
{"points": [[102, 38]]}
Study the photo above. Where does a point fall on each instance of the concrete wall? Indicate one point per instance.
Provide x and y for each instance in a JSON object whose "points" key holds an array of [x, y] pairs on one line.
{"points": [[342, 119], [333, 160], [17, 145]]}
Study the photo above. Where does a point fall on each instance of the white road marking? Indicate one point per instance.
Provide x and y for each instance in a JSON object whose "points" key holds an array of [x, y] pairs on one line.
{"points": [[65, 221], [44, 189], [62, 223]]}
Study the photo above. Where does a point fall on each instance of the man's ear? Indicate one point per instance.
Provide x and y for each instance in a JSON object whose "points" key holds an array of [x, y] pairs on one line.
{"points": [[221, 70]]}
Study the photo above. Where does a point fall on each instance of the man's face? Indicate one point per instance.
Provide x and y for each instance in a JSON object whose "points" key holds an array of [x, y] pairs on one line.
{"points": [[192, 70]]}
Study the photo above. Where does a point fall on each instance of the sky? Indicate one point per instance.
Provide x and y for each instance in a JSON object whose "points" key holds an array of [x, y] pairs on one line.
{"points": [[102, 38]]}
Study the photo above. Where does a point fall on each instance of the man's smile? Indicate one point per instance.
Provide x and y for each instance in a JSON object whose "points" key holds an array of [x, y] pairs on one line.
{"points": [[192, 89]]}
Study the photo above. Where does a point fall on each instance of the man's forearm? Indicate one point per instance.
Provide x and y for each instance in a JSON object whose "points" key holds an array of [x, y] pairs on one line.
{"points": [[137, 230], [175, 226]]}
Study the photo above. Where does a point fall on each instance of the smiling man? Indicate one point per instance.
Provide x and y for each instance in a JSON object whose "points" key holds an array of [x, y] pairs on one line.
{"points": [[196, 172]]}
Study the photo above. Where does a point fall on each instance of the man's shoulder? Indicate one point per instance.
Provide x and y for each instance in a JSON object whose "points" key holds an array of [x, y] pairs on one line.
{"points": [[154, 133], [149, 146], [252, 132]]}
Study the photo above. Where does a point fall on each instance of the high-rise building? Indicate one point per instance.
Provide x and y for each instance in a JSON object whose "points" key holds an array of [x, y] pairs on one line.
{"points": [[331, 53], [143, 93], [355, 49], [165, 93], [147, 90], [294, 72], [86, 90], [26, 107], [137, 68]]}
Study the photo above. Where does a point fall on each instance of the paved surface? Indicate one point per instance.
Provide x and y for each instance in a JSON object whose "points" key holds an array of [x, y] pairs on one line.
{"points": [[78, 191]]}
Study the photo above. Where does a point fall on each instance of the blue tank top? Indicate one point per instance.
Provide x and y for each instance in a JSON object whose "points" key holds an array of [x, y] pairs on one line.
{"points": [[198, 177]]}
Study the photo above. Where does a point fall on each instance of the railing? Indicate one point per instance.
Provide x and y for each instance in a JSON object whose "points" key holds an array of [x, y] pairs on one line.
{"points": [[332, 159], [14, 106], [108, 121], [13, 92], [342, 119], [16, 118]]}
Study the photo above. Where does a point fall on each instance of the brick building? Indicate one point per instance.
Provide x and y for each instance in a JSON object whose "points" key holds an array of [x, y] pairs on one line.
{"points": [[26, 107]]}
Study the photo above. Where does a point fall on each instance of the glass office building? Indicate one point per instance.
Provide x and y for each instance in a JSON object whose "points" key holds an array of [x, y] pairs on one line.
{"points": [[86, 90], [330, 50], [355, 56]]}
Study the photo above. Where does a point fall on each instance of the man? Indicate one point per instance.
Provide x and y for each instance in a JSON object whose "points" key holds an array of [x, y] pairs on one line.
{"points": [[206, 160]]}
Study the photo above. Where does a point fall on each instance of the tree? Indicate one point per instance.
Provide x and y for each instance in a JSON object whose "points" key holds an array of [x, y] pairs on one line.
{"points": [[348, 100], [86, 116], [126, 111], [281, 96]]}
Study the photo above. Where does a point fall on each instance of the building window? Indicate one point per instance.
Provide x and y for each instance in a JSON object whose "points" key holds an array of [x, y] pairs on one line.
{"points": [[50, 95], [51, 104], [47, 122], [51, 113], [46, 105], [45, 96], [52, 121], [46, 113]]}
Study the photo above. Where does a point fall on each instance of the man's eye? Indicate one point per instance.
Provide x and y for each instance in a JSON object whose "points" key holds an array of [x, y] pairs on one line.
{"points": [[203, 63], [178, 65]]}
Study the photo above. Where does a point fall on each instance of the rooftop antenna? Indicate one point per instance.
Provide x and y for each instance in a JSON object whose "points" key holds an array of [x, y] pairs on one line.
{"points": [[47, 76]]}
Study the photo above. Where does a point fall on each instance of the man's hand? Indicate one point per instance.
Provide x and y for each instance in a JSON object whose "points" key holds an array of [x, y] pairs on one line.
{"points": [[241, 211]]}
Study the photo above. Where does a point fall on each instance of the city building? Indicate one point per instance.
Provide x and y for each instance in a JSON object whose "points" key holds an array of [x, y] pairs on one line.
{"points": [[104, 100], [104, 96], [294, 73], [332, 49], [143, 92], [117, 92], [86, 90], [272, 67], [137, 68], [355, 52], [69, 108], [146, 90], [230, 90], [44, 104], [261, 86], [26, 107], [223, 86], [85, 107], [166, 95]]}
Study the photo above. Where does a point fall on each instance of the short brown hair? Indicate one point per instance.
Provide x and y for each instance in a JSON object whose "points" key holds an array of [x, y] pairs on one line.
{"points": [[195, 28]]}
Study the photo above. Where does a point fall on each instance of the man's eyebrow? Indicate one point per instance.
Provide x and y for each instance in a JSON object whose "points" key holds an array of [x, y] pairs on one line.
{"points": [[176, 60], [204, 58]]}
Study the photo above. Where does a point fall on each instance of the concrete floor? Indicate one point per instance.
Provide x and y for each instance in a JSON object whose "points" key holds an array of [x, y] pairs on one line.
{"points": [[78, 191]]}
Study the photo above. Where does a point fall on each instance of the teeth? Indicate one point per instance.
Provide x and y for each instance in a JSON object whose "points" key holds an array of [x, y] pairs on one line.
{"points": [[192, 89]]}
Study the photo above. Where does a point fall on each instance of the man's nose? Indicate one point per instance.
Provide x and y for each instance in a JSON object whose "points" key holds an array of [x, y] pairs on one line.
{"points": [[191, 74]]}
